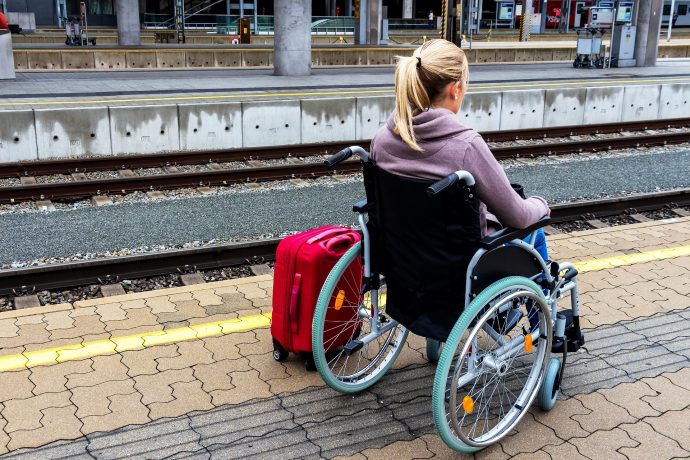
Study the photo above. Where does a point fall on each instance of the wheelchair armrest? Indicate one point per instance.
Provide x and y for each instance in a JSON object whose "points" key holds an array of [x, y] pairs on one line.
{"points": [[506, 235], [361, 206]]}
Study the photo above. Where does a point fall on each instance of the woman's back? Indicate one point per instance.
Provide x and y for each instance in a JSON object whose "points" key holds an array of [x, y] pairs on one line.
{"points": [[447, 146]]}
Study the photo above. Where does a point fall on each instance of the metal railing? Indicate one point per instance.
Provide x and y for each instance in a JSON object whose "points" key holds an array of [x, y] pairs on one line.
{"points": [[227, 24], [333, 25], [402, 24]]}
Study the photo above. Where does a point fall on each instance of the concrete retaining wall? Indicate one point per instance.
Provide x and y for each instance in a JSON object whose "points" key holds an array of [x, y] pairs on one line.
{"points": [[144, 129], [51, 133], [177, 58], [210, 126], [166, 58], [17, 136], [482, 111], [72, 132]]}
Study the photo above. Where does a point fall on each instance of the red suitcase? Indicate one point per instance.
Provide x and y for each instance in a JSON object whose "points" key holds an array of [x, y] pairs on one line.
{"points": [[303, 262]]}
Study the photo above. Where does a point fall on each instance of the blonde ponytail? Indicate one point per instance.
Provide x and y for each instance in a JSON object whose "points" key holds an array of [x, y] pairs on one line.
{"points": [[420, 80]]}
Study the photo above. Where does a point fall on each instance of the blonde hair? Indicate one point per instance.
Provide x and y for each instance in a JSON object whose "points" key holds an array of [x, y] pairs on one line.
{"points": [[420, 80]]}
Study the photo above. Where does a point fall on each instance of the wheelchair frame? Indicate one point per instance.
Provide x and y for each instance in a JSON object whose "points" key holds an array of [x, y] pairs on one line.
{"points": [[556, 336]]}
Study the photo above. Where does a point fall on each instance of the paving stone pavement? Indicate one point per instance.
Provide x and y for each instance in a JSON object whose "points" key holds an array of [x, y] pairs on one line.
{"points": [[222, 395]]}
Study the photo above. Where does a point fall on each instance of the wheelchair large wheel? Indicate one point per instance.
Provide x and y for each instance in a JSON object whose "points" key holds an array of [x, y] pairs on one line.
{"points": [[492, 365], [353, 348]]}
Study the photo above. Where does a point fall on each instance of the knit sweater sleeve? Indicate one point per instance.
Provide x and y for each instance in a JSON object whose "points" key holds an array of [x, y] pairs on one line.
{"points": [[494, 189]]}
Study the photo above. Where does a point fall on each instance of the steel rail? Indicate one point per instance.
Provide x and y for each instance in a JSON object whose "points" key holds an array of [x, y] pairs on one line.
{"points": [[123, 185], [113, 163], [565, 131], [165, 262], [128, 184], [591, 145], [584, 210], [157, 160], [138, 266]]}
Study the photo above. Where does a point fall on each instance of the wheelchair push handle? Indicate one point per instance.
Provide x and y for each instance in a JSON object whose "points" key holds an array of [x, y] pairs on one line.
{"points": [[338, 157], [449, 181], [346, 153]]}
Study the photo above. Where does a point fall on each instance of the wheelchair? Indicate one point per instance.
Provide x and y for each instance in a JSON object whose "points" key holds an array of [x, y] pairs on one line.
{"points": [[487, 306]]}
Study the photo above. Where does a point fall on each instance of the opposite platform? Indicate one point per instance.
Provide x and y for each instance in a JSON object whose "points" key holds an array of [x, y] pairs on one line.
{"points": [[45, 116], [152, 87], [188, 372]]}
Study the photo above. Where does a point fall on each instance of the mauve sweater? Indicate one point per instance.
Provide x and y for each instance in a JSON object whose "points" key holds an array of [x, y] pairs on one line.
{"points": [[449, 146]]}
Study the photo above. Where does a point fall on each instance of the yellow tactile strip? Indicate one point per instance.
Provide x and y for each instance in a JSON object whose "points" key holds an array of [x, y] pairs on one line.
{"points": [[117, 344], [340, 93], [632, 259], [68, 399], [132, 342]]}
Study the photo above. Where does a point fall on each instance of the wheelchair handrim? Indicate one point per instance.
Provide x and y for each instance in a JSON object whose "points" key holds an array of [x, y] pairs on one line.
{"points": [[451, 348], [376, 362], [528, 393], [378, 365]]}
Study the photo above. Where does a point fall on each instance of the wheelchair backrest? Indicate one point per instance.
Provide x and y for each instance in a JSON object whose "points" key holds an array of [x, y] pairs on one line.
{"points": [[422, 246]]}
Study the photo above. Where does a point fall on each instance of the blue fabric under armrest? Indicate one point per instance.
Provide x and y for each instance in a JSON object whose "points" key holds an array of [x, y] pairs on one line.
{"points": [[506, 235]]}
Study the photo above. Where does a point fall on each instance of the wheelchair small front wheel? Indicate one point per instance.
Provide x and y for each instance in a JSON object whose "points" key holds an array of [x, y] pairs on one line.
{"points": [[433, 350], [550, 387], [491, 369], [353, 345]]}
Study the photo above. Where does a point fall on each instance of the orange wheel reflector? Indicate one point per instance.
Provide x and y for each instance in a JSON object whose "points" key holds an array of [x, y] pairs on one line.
{"points": [[468, 404], [339, 299], [528, 343]]}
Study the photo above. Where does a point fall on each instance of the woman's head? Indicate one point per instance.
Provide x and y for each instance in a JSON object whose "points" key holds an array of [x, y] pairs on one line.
{"points": [[435, 75]]}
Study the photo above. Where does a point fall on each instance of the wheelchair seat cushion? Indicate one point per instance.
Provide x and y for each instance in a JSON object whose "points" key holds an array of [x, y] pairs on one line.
{"points": [[423, 246]]}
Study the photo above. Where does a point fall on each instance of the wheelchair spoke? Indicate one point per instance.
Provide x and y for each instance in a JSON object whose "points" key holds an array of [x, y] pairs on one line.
{"points": [[499, 369], [354, 342]]}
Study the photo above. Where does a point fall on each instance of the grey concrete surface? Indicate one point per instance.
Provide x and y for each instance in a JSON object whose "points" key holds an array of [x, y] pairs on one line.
{"points": [[320, 423], [128, 26], [6, 56], [292, 56], [64, 233], [149, 112], [18, 136], [648, 28], [51, 86], [286, 120]]}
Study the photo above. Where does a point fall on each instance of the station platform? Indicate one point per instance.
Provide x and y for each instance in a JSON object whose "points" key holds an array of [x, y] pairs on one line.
{"points": [[52, 115], [188, 373], [108, 36], [152, 87]]}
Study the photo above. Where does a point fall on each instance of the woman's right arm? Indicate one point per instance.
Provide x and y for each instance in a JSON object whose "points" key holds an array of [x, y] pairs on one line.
{"points": [[494, 189]]}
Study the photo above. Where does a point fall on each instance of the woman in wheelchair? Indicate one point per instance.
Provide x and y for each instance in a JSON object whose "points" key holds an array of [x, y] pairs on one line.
{"points": [[425, 139], [431, 262]]}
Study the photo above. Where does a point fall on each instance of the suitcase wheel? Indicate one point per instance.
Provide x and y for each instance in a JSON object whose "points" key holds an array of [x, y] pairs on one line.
{"points": [[279, 353]]}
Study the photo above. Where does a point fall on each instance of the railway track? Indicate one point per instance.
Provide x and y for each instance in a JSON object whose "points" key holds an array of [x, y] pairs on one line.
{"points": [[77, 185], [65, 275]]}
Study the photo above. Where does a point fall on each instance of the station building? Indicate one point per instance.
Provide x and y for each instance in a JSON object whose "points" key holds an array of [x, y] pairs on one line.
{"points": [[403, 14]]}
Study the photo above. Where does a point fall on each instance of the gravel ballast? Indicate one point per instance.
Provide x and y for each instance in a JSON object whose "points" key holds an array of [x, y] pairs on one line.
{"points": [[279, 208]]}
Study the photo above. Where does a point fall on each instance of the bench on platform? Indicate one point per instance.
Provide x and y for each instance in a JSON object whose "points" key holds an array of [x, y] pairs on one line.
{"points": [[160, 37]]}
